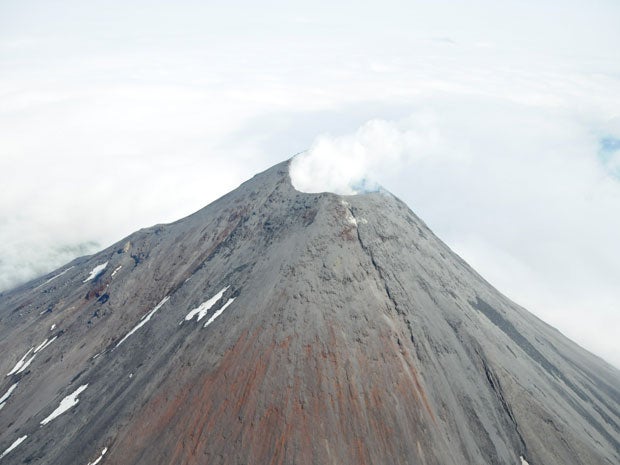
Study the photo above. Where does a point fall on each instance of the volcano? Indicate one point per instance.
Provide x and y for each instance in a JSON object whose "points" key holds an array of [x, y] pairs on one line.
{"points": [[279, 327]]}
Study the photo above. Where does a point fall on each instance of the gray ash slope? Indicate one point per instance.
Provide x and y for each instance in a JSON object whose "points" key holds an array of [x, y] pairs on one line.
{"points": [[346, 332]]}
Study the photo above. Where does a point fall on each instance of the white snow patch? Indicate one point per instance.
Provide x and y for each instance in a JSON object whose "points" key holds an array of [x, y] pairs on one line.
{"points": [[219, 312], [204, 307], [96, 270], [2, 405], [27, 364], [523, 461], [19, 364], [49, 342], [40, 346], [144, 320], [70, 401], [8, 393], [105, 449], [53, 278], [17, 442], [52, 327], [116, 269]]}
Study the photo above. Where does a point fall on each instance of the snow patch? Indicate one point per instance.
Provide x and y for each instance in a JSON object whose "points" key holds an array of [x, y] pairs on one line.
{"points": [[68, 402], [144, 320], [105, 449], [26, 364], [53, 278], [7, 394], [523, 461], [115, 270], [95, 272], [219, 312], [40, 346], [19, 364], [49, 342], [52, 327], [17, 442], [204, 307]]}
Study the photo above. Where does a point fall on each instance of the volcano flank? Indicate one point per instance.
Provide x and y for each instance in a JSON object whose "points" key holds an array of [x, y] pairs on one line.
{"points": [[280, 327]]}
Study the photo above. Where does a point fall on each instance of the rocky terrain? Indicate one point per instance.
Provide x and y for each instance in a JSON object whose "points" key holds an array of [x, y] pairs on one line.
{"points": [[278, 327]]}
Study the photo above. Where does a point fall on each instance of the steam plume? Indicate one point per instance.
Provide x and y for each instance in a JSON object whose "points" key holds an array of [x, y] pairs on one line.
{"points": [[357, 162]]}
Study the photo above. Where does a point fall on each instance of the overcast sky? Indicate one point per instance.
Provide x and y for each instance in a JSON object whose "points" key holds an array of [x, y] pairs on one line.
{"points": [[497, 122]]}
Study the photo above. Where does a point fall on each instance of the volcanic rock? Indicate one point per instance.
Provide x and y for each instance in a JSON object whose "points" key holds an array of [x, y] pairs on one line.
{"points": [[279, 327]]}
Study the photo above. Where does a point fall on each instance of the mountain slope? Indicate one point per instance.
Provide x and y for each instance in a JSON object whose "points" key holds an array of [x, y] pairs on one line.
{"points": [[274, 326]]}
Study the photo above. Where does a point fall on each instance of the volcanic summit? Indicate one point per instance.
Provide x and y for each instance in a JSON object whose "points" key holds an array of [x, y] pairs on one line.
{"points": [[280, 327]]}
